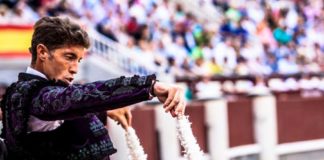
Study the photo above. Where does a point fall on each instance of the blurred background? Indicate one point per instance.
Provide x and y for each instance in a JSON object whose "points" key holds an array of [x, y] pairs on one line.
{"points": [[253, 70]]}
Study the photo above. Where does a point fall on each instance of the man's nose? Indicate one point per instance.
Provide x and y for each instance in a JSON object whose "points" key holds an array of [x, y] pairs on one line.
{"points": [[74, 68]]}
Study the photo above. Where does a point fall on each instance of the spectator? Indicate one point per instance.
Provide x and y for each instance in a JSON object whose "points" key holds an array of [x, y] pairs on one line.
{"points": [[177, 50], [214, 68], [287, 65]]}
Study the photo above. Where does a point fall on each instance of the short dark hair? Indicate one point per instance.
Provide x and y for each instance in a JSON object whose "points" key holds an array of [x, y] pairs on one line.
{"points": [[55, 32]]}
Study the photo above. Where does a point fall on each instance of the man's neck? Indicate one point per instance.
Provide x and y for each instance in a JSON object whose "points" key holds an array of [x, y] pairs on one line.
{"points": [[35, 71]]}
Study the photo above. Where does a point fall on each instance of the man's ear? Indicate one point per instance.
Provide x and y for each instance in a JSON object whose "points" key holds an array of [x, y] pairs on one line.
{"points": [[42, 52]]}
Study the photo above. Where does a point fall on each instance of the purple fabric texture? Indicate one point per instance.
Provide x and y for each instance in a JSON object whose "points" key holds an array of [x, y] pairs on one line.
{"points": [[56, 102]]}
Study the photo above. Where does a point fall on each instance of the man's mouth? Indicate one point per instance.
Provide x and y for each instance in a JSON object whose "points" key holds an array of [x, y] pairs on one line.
{"points": [[69, 80]]}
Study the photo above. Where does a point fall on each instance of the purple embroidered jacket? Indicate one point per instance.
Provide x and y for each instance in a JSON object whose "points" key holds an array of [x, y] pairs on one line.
{"points": [[82, 135]]}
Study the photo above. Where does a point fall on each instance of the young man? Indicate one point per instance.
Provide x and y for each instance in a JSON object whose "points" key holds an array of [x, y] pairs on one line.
{"points": [[47, 117]]}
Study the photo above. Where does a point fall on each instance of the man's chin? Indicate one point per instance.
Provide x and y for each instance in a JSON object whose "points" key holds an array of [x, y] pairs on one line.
{"points": [[68, 82]]}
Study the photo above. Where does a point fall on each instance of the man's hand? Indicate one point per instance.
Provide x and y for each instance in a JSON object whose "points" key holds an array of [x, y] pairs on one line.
{"points": [[123, 116], [171, 96]]}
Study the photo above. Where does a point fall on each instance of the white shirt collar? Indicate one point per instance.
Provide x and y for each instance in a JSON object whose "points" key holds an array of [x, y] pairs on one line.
{"points": [[35, 72]]}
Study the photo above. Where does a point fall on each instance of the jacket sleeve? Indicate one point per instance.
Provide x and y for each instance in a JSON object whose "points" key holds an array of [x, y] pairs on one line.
{"points": [[57, 102]]}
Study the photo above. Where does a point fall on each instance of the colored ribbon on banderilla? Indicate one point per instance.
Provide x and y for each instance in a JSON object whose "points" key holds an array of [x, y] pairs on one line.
{"points": [[135, 149], [192, 150]]}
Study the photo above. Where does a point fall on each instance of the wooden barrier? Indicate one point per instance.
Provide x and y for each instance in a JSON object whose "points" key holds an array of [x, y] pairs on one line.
{"points": [[240, 120], [299, 118], [144, 123]]}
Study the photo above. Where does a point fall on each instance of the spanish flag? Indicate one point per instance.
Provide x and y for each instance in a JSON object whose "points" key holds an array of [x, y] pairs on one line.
{"points": [[15, 40]]}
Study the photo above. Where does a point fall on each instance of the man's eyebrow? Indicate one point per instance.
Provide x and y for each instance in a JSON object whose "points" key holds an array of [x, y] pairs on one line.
{"points": [[70, 52]]}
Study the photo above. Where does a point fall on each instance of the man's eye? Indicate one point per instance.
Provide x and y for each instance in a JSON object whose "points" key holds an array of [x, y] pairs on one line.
{"points": [[69, 58]]}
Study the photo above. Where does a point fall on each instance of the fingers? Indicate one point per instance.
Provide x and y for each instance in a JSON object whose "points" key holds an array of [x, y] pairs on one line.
{"points": [[175, 101], [122, 116], [129, 117], [123, 121], [173, 113], [171, 95], [179, 109]]}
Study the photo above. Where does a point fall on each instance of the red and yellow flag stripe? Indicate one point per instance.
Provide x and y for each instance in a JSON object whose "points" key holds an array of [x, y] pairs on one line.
{"points": [[15, 40]]}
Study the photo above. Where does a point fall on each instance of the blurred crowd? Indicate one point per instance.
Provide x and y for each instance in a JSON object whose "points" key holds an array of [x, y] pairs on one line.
{"points": [[253, 37]]}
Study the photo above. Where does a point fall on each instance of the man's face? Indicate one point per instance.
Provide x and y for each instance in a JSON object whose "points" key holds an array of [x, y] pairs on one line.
{"points": [[62, 63]]}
